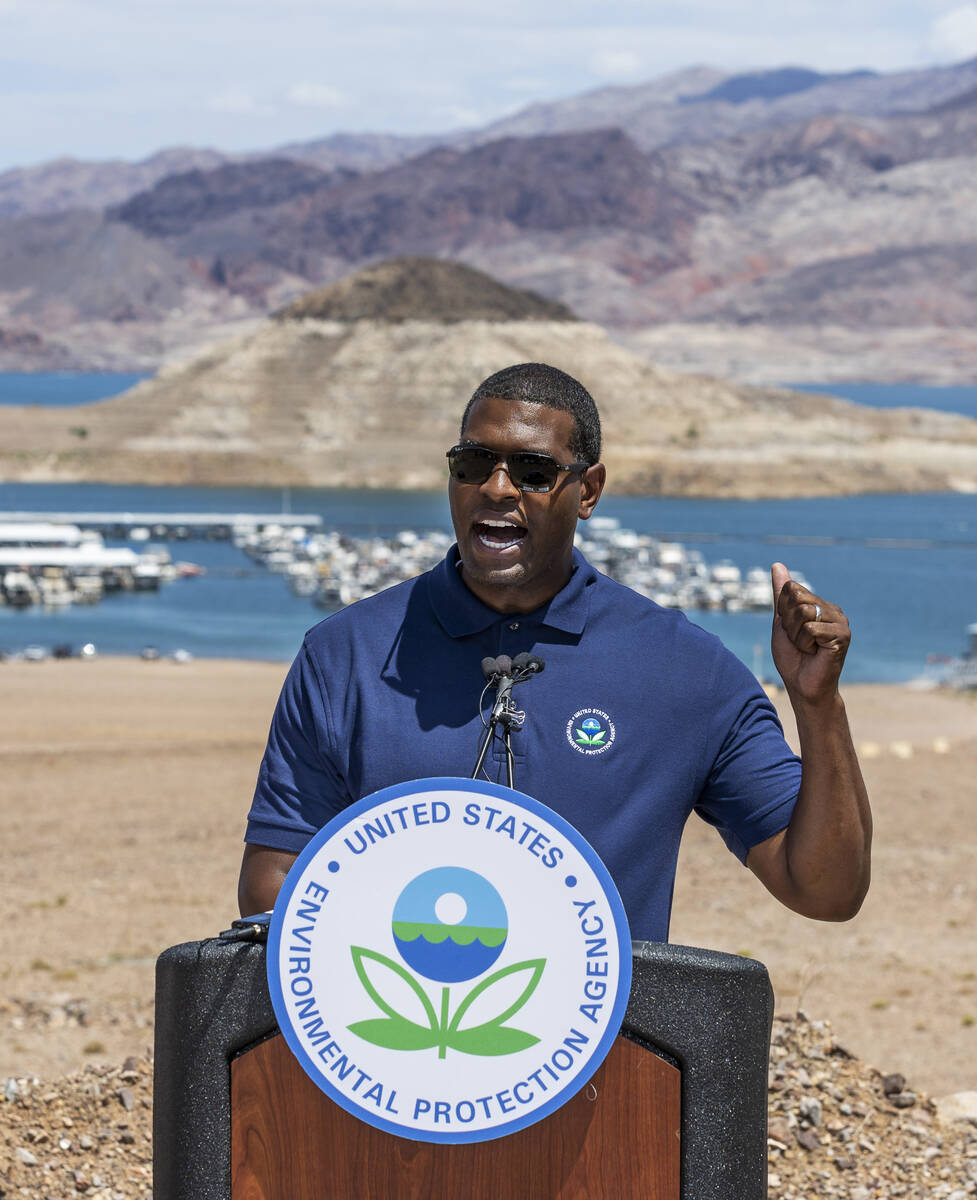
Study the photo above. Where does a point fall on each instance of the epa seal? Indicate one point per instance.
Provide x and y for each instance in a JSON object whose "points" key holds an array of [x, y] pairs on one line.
{"points": [[591, 731], [449, 960]]}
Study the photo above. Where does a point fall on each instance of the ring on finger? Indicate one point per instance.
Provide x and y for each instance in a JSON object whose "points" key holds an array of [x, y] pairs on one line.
{"points": [[817, 612]]}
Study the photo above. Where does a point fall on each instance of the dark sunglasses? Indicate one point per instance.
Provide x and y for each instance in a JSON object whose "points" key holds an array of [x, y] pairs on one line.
{"points": [[529, 471]]}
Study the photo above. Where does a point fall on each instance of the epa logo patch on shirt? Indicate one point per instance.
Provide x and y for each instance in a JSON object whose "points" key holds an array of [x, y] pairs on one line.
{"points": [[591, 731]]}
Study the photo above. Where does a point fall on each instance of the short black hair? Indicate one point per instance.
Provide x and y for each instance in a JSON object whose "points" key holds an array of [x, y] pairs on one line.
{"points": [[538, 383]]}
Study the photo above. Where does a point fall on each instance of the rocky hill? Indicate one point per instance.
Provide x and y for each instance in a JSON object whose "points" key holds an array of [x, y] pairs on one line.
{"points": [[442, 201], [374, 401], [69, 183], [422, 289], [701, 104]]}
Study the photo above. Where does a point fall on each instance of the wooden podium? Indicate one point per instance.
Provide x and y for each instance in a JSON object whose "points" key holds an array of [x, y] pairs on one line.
{"points": [[677, 1111]]}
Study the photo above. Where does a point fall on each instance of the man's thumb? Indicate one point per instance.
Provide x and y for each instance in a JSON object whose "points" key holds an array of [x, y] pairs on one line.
{"points": [[779, 575]]}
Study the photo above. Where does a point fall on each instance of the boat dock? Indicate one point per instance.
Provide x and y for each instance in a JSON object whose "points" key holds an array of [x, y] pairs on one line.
{"points": [[166, 526], [58, 565]]}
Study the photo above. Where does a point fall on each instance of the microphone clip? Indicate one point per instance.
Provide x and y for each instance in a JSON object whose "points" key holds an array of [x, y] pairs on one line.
{"points": [[503, 673]]}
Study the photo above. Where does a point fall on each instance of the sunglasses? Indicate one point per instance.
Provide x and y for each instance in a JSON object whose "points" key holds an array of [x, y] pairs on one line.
{"points": [[528, 471]]}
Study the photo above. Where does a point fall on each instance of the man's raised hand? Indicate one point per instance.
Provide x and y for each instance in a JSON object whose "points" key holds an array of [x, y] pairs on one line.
{"points": [[809, 641]]}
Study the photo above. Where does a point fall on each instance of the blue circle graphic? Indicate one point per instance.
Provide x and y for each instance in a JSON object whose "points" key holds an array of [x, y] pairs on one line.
{"points": [[450, 951]]}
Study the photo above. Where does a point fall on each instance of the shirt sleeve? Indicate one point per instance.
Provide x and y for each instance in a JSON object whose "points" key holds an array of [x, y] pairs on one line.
{"points": [[752, 786], [299, 787]]}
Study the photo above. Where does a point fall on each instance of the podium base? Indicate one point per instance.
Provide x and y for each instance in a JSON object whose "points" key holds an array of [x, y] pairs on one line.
{"points": [[619, 1136]]}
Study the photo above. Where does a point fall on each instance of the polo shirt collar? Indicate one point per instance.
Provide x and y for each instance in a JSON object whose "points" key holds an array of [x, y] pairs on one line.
{"points": [[460, 612]]}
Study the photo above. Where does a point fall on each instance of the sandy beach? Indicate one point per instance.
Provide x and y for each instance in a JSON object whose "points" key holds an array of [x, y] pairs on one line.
{"points": [[124, 785]]}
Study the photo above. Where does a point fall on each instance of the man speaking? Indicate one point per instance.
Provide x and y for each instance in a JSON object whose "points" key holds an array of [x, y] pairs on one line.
{"points": [[639, 719]]}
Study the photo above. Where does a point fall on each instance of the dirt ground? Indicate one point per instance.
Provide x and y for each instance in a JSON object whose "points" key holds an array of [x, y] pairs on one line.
{"points": [[123, 790]]}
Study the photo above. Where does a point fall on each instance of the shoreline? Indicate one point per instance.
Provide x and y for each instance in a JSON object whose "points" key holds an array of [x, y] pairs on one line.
{"points": [[12, 654]]}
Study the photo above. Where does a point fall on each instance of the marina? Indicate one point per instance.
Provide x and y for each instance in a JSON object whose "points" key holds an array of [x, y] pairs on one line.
{"points": [[336, 569], [61, 561], [902, 567]]}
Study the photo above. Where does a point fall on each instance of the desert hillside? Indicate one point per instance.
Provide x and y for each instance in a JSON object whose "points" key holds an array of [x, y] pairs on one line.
{"points": [[374, 399]]}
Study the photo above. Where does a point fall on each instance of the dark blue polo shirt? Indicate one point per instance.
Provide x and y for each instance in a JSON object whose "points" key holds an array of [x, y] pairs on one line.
{"points": [[639, 718]]}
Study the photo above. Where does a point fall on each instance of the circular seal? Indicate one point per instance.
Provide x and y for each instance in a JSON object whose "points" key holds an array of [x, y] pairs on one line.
{"points": [[591, 731], [449, 960]]}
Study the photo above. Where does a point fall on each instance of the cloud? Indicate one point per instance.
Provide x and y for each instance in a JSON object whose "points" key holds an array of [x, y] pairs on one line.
{"points": [[238, 102], [953, 36], [523, 84], [317, 95], [616, 64], [123, 77], [458, 116]]}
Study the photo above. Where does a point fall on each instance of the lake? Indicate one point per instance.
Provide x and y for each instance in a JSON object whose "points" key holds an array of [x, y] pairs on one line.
{"points": [[961, 400], [903, 567], [64, 389]]}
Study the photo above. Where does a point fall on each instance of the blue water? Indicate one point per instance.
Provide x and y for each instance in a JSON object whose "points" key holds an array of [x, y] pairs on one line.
{"points": [[62, 389], [904, 603], [900, 395]]}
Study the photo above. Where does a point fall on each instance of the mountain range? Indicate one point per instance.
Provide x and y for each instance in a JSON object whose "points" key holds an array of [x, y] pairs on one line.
{"points": [[712, 221]]}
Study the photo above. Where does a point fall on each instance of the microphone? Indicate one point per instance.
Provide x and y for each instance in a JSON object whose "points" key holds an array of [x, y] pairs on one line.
{"points": [[503, 673], [519, 668], [493, 667]]}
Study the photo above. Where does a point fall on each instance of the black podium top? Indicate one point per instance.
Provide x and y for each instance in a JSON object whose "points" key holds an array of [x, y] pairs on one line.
{"points": [[709, 1013]]}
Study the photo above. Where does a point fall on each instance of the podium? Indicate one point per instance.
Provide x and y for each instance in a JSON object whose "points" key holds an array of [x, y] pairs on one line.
{"points": [[677, 1111]]}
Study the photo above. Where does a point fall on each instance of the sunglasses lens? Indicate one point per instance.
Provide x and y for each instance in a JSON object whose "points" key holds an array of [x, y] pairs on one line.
{"points": [[471, 464], [533, 472], [529, 472]]}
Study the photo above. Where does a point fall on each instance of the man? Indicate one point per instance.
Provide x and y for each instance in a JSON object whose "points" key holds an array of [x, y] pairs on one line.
{"points": [[388, 690]]}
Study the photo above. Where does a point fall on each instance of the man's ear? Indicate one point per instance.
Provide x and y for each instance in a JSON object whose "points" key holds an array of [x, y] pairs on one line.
{"points": [[591, 485]]}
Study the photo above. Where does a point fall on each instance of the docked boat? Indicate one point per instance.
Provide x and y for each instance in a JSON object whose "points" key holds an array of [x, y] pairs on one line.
{"points": [[58, 564], [960, 673], [336, 569]]}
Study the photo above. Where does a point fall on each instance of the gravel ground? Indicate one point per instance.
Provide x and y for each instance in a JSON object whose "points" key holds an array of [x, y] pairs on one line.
{"points": [[840, 1128], [88, 1134], [837, 1128]]}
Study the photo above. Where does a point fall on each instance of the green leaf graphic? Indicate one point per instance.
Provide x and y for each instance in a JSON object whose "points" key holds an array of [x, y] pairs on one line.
{"points": [[395, 1033], [533, 965], [583, 738], [598, 738], [490, 1040], [360, 953]]}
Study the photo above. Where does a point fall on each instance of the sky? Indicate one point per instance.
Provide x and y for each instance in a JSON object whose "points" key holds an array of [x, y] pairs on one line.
{"points": [[100, 79]]}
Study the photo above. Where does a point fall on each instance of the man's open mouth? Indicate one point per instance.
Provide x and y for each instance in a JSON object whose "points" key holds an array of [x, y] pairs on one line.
{"points": [[499, 535]]}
